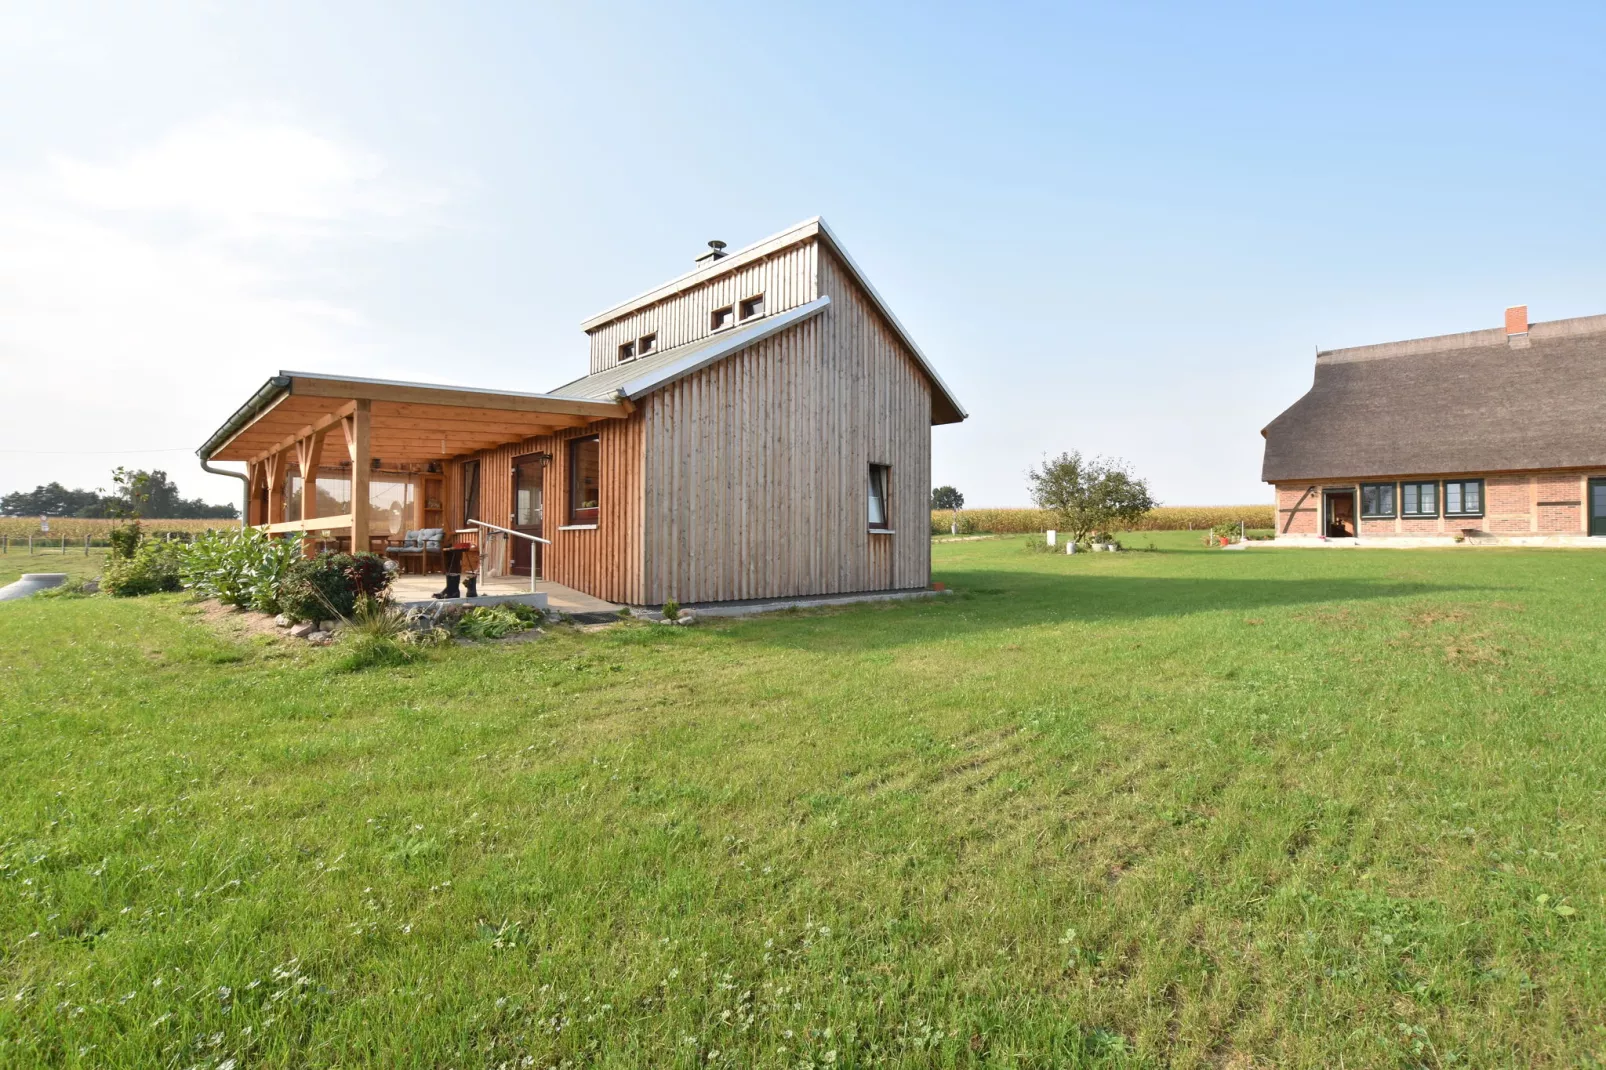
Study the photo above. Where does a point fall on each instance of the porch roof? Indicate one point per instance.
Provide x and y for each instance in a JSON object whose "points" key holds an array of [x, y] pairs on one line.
{"points": [[410, 422]]}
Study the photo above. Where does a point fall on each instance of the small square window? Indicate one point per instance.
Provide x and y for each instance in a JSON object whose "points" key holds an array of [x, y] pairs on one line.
{"points": [[648, 343], [721, 318], [627, 352], [1377, 500], [752, 306]]}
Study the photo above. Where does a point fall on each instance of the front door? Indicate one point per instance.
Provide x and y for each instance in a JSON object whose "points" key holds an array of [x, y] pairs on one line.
{"points": [[527, 494], [1597, 506], [1341, 514]]}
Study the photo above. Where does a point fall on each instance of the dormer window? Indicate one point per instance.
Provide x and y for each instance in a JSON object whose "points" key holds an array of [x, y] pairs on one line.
{"points": [[721, 318], [752, 306], [648, 343], [627, 352]]}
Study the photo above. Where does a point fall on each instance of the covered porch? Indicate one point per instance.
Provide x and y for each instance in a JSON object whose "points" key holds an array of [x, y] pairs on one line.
{"points": [[366, 465]]}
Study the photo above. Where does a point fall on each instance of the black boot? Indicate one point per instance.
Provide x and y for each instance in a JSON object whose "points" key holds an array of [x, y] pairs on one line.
{"points": [[452, 590], [473, 583]]}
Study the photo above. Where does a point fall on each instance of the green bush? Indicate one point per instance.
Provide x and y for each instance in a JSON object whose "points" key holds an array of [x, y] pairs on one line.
{"points": [[153, 568], [240, 568], [329, 585], [498, 621], [78, 587]]}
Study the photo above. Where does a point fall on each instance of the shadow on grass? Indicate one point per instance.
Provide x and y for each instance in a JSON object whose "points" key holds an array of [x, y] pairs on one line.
{"points": [[988, 600]]}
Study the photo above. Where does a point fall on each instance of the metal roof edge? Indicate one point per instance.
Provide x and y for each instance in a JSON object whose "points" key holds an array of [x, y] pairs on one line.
{"points": [[268, 392], [729, 262], [882, 306], [421, 386]]}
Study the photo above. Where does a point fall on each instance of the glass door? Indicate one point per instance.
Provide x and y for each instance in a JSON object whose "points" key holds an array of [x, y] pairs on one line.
{"points": [[1597, 506], [528, 488]]}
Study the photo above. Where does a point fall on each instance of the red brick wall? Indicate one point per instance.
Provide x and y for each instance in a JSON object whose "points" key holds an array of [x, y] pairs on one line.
{"points": [[1544, 503], [1560, 499], [1306, 514]]}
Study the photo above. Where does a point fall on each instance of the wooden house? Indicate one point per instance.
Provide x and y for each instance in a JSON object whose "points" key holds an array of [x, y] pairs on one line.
{"points": [[1486, 436], [759, 427]]}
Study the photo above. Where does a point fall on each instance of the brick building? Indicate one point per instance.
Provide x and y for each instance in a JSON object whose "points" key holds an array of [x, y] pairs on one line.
{"points": [[1493, 435]]}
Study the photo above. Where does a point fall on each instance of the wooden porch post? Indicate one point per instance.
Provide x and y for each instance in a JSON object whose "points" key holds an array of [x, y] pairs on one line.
{"points": [[275, 473], [309, 454], [359, 439], [255, 510]]}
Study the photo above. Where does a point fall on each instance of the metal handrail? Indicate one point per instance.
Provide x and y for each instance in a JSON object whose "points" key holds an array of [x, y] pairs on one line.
{"points": [[509, 531]]}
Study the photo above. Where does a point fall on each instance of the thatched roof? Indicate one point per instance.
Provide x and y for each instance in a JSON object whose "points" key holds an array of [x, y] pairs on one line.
{"points": [[1467, 404]]}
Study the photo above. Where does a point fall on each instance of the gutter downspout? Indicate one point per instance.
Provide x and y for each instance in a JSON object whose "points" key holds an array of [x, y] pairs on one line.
{"points": [[245, 494]]}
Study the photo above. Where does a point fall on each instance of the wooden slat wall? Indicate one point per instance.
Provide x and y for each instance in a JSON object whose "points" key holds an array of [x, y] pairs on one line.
{"points": [[757, 467], [605, 562], [786, 280]]}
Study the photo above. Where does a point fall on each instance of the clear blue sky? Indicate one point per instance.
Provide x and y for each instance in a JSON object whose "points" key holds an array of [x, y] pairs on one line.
{"points": [[1122, 229]]}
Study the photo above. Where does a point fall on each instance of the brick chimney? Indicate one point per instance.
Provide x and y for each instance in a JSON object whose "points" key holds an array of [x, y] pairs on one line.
{"points": [[1517, 326]]}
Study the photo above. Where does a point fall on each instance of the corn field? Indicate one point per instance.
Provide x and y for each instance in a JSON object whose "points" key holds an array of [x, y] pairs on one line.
{"points": [[1164, 518], [75, 527]]}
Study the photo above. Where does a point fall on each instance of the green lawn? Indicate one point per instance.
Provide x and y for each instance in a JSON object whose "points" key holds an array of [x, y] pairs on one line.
{"points": [[1185, 808]]}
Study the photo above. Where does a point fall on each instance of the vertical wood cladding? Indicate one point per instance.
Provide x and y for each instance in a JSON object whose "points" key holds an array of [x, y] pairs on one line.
{"points": [[604, 561], [786, 279], [757, 467]]}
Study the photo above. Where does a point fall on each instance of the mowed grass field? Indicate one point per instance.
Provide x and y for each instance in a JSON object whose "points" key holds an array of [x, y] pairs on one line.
{"points": [[1186, 808]]}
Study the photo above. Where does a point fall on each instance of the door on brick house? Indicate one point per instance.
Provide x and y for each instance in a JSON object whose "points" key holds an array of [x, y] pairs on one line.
{"points": [[1340, 510], [528, 491], [1597, 506]]}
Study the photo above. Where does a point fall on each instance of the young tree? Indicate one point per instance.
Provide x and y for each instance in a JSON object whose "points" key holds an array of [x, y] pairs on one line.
{"points": [[1088, 495], [946, 497]]}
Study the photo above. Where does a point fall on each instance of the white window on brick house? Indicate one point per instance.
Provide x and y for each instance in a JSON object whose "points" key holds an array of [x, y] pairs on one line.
{"points": [[1419, 499], [1463, 497], [1377, 501]]}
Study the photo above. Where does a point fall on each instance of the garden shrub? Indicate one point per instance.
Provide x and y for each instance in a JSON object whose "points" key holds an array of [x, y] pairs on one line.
{"points": [[241, 568], [153, 568], [498, 621], [329, 585]]}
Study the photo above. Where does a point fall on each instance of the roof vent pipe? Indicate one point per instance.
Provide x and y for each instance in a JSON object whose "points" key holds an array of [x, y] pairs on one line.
{"points": [[716, 250]]}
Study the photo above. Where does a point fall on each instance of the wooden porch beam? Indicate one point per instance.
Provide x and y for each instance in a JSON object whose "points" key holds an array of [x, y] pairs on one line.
{"points": [[273, 464], [317, 523], [322, 423]]}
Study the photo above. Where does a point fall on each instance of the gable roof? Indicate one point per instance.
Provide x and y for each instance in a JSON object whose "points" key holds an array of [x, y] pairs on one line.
{"points": [[1468, 403], [945, 407], [642, 376]]}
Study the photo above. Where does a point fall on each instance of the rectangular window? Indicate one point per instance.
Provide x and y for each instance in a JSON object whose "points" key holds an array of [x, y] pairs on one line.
{"points": [[585, 469], [721, 318], [1377, 500], [1419, 499], [752, 306], [1463, 497], [880, 478], [648, 343], [627, 352]]}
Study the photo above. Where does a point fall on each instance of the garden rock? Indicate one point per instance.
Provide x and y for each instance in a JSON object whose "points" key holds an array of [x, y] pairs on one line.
{"points": [[303, 630], [320, 638], [282, 621], [329, 626]]}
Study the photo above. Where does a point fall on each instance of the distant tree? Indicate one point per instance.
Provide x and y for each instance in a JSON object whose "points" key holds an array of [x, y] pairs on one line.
{"points": [[148, 494], [49, 499], [1088, 495], [947, 498]]}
